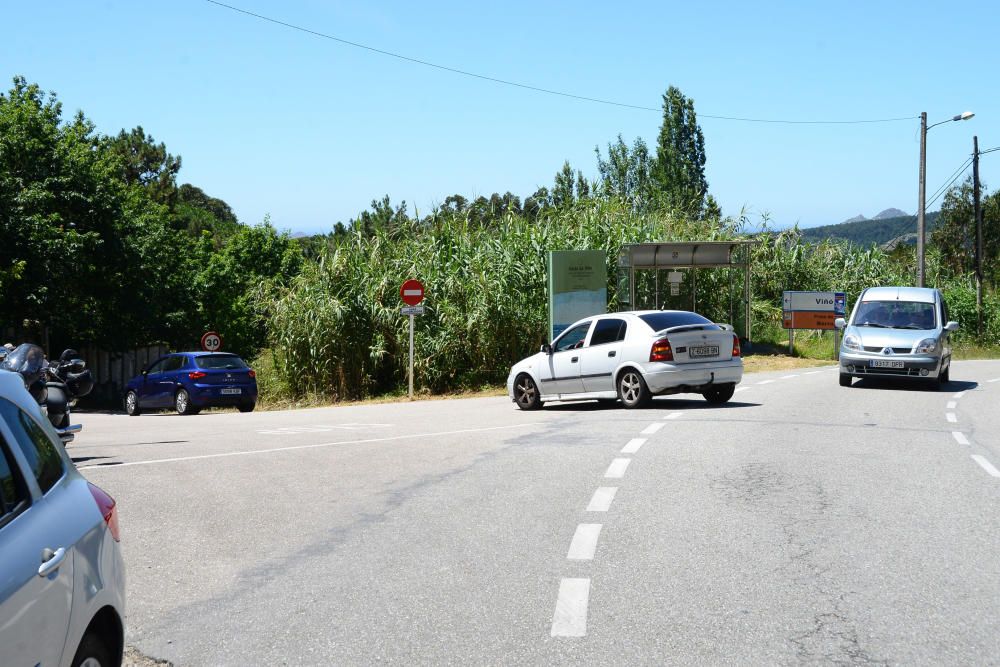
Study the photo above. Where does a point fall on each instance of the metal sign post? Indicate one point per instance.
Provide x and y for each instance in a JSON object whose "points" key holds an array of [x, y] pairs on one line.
{"points": [[412, 293]]}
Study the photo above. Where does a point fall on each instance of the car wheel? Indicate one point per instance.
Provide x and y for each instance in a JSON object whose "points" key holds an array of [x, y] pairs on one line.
{"points": [[182, 403], [719, 395], [92, 652], [132, 404], [946, 375], [246, 407], [63, 421], [526, 393], [845, 380], [632, 389]]}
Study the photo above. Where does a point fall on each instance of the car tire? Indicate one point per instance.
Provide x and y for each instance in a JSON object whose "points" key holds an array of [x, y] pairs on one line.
{"points": [[632, 389], [92, 652], [132, 404], [182, 403], [845, 380], [526, 393], [719, 395], [946, 374], [246, 407]]}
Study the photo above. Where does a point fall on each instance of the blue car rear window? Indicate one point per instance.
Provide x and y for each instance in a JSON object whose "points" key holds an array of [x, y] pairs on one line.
{"points": [[225, 361]]}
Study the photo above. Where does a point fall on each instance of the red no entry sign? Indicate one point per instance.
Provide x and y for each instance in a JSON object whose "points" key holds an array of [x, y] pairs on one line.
{"points": [[412, 292]]}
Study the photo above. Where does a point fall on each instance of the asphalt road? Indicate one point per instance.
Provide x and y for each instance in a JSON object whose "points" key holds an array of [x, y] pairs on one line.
{"points": [[801, 523]]}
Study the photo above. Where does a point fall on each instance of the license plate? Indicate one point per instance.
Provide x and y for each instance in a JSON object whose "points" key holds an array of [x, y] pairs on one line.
{"points": [[704, 351], [230, 390], [884, 363]]}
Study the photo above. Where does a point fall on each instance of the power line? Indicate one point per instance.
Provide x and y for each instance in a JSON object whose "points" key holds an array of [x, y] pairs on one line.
{"points": [[537, 89], [989, 150], [954, 177]]}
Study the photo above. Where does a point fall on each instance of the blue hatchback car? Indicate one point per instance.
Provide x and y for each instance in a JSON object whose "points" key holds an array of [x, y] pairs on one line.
{"points": [[190, 381]]}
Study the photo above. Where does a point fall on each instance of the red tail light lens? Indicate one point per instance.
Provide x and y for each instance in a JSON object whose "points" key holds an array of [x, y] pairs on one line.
{"points": [[736, 346], [661, 351], [252, 373], [106, 504], [196, 375]]}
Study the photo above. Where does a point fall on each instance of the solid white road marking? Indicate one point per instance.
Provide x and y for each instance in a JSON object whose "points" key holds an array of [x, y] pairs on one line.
{"points": [[766, 382], [960, 437], [739, 389], [951, 405], [812, 372], [584, 542], [318, 428], [570, 619], [994, 380], [788, 377], [959, 394], [251, 452], [986, 465], [951, 417], [653, 428], [675, 415], [617, 468], [633, 445], [601, 500]]}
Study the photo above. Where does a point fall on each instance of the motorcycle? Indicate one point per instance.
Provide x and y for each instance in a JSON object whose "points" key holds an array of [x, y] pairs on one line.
{"points": [[55, 386]]}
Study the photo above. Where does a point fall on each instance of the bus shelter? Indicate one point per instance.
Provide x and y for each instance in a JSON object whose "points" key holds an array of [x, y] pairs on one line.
{"points": [[709, 277]]}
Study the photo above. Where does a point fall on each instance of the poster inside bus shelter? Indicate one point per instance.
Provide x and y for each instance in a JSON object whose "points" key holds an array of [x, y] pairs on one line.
{"points": [[578, 287]]}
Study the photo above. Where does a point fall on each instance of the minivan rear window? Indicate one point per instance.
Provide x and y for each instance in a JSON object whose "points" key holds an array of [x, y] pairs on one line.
{"points": [[216, 361], [667, 319]]}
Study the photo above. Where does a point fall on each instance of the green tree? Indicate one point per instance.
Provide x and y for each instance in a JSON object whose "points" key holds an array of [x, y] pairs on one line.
{"points": [[626, 173], [144, 162], [678, 173], [955, 233]]}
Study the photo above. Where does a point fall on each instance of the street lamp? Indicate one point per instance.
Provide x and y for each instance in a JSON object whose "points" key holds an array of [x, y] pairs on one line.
{"points": [[921, 231]]}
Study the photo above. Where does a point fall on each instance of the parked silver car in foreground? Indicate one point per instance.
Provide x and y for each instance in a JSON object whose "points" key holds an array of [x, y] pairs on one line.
{"points": [[631, 357], [897, 332], [62, 583]]}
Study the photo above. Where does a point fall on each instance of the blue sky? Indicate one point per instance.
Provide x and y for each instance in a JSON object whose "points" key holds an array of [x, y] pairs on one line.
{"points": [[307, 130]]}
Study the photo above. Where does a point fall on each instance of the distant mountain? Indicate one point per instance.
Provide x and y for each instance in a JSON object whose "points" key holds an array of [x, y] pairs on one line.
{"points": [[901, 229], [890, 213], [299, 235], [857, 218]]}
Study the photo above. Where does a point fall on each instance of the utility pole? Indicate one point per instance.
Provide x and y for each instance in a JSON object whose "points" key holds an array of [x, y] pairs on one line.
{"points": [[978, 214], [922, 202]]}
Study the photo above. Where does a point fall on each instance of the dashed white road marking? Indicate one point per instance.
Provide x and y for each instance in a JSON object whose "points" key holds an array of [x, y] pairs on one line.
{"points": [[788, 377], [653, 428], [960, 437], [951, 405], [617, 468], [675, 415], [951, 417], [601, 500], [633, 445], [584, 542], [765, 382], [959, 394], [570, 619], [321, 445], [986, 465]]}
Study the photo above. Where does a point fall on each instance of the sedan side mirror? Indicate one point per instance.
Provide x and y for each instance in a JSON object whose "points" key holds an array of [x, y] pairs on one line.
{"points": [[546, 348], [840, 323], [951, 326]]}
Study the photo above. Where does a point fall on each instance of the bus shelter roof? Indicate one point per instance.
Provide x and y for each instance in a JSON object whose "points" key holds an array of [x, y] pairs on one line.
{"points": [[683, 254]]}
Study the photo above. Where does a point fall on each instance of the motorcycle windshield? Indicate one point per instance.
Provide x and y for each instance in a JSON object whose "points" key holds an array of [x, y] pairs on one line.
{"points": [[26, 359]]}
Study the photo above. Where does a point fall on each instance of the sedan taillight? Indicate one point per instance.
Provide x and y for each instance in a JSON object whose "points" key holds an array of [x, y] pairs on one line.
{"points": [[736, 346], [196, 375], [661, 351], [252, 373], [109, 511]]}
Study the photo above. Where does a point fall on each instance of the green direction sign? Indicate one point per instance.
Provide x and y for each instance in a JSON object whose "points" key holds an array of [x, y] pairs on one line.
{"points": [[578, 287]]}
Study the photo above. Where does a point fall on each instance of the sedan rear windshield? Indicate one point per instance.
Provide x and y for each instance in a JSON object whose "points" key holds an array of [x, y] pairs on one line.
{"points": [[219, 361], [667, 320]]}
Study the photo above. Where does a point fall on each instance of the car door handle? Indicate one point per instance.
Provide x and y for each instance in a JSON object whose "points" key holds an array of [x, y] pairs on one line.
{"points": [[51, 560], [574, 360], [612, 353]]}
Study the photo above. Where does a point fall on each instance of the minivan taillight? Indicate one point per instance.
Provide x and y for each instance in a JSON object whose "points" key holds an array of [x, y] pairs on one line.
{"points": [[661, 351], [196, 375], [106, 504], [736, 346]]}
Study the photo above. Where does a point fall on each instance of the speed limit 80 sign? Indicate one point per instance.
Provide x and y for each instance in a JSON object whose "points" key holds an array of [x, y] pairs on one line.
{"points": [[211, 341]]}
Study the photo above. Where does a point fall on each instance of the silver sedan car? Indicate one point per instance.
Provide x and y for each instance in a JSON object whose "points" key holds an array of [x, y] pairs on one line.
{"points": [[631, 357], [62, 583], [899, 332]]}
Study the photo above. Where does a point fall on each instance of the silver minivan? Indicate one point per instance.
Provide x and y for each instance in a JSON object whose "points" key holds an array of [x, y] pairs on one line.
{"points": [[897, 332], [62, 582]]}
